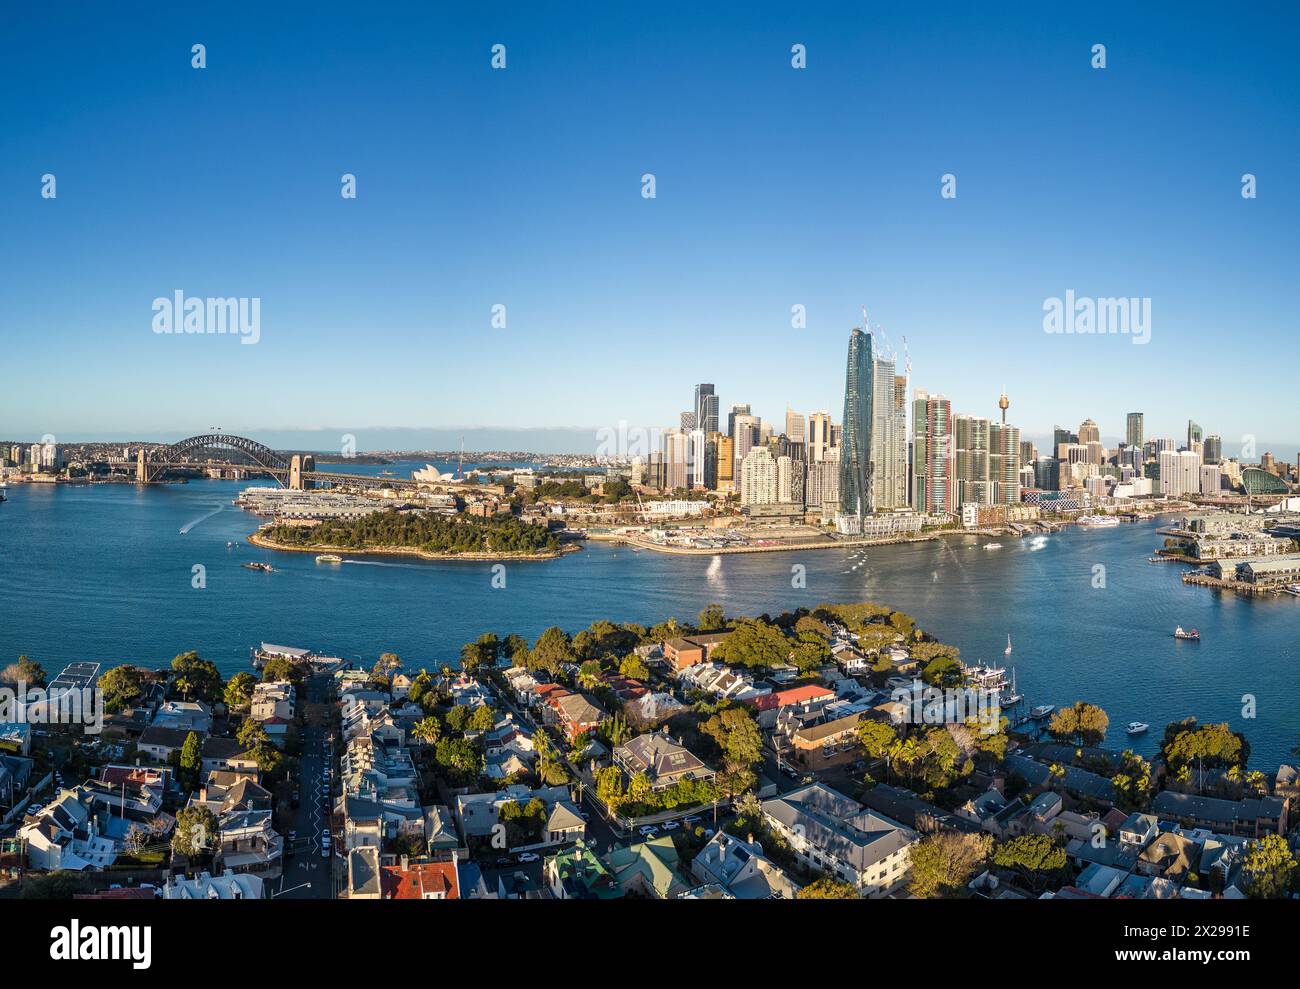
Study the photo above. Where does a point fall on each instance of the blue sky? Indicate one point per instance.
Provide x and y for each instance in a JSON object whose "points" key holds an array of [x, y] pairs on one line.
{"points": [[775, 187]]}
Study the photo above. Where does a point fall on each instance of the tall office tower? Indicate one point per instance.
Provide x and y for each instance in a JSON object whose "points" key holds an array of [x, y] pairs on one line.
{"points": [[736, 410], [1212, 452], [819, 436], [1028, 452], [676, 456], [744, 435], [706, 408], [971, 460], [1062, 437], [1088, 432], [1194, 434], [855, 447], [796, 427], [758, 478], [932, 468], [1047, 474], [688, 421], [725, 470], [1134, 430], [888, 449], [1179, 472], [764, 432], [1211, 479], [1004, 463], [1163, 445], [837, 435]]}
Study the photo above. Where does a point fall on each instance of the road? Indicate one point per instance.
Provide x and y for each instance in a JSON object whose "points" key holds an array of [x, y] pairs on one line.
{"points": [[306, 874]]}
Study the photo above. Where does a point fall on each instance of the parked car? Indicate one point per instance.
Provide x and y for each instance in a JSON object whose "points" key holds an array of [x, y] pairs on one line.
{"points": [[504, 860], [693, 819], [671, 825], [649, 829], [529, 857]]}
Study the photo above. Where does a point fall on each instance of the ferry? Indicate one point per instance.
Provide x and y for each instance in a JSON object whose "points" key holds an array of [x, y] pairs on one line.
{"points": [[329, 558], [1193, 635], [1137, 727], [264, 567], [1042, 711], [1098, 521]]}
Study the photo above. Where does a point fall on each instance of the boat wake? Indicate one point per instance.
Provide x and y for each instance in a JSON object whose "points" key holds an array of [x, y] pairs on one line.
{"points": [[201, 518]]}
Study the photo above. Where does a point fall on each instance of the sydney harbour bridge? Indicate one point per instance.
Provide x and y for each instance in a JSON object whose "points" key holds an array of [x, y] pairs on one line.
{"points": [[297, 471]]}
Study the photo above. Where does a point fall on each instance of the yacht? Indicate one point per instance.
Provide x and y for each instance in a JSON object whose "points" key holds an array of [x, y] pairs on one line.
{"points": [[992, 545], [1015, 697], [264, 567], [1137, 727], [1042, 711]]}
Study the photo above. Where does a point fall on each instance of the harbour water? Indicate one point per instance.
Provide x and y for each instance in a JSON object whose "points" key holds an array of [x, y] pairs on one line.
{"points": [[103, 573]]}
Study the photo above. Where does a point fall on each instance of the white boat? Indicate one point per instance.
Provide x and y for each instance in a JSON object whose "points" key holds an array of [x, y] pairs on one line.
{"points": [[992, 545], [329, 558], [1137, 727], [1098, 521], [1042, 711], [1014, 697]]}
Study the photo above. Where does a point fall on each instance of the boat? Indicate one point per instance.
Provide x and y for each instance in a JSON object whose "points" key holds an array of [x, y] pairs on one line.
{"points": [[329, 558], [1098, 521], [992, 545], [1014, 697], [264, 567], [1137, 727], [1192, 635], [1042, 711], [1007, 650]]}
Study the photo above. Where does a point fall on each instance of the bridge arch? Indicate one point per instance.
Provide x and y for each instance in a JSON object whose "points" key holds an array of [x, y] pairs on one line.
{"points": [[150, 466]]}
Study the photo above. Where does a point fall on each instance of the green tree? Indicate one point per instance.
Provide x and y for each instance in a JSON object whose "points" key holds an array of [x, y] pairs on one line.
{"points": [[191, 761], [239, 691], [753, 643], [427, 730], [589, 674], [876, 737], [552, 651], [609, 788], [1082, 723], [195, 678], [121, 686], [712, 618], [632, 666], [810, 653], [943, 671], [1268, 867], [944, 862], [483, 718], [1036, 857], [827, 888], [26, 672], [196, 827]]}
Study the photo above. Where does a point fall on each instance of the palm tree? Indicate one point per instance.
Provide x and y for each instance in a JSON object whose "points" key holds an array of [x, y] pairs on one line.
{"points": [[427, 730]]}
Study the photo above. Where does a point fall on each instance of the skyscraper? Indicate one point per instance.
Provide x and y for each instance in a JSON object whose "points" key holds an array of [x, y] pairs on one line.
{"points": [[819, 436], [1004, 463], [758, 478], [796, 427], [706, 409], [971, 460], [1133, 435], [740, 409], [744, 434], [888, 444], [855, 452], [1089, 432], [932, 480], [1194, 435], [1212, 453]]}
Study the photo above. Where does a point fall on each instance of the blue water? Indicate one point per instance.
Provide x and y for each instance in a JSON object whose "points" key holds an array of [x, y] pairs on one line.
{"points": [[102, 573]]}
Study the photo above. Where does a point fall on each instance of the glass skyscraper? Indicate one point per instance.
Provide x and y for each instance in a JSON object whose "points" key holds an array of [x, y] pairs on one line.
{"points": [[855, 442]]}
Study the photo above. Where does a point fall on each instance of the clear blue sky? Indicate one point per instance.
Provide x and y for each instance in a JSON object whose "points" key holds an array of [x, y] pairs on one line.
{"points": [[775, 187]]}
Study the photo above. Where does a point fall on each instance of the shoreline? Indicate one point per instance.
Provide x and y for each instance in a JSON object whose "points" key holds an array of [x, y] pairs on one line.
{"points": [[260, 541]]}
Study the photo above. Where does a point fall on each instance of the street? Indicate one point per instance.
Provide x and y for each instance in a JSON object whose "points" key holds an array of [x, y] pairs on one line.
{"points": [[306, 874]]}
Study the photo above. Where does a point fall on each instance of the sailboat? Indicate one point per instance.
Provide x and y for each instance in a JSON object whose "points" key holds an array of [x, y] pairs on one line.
{"points": [[1007, 650], [1014, 697]]}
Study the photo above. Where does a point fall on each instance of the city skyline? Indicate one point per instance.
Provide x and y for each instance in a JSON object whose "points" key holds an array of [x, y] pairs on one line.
{"points": [[376, 313]]}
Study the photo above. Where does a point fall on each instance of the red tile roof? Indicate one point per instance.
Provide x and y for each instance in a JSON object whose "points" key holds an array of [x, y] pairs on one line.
{"points": [[795, 695], [419, 880]]}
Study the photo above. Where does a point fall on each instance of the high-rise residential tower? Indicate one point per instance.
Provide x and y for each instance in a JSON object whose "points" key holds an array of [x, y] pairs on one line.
{"points": [[819, 436], [971, 460], [932, 477], [855, 444]]}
